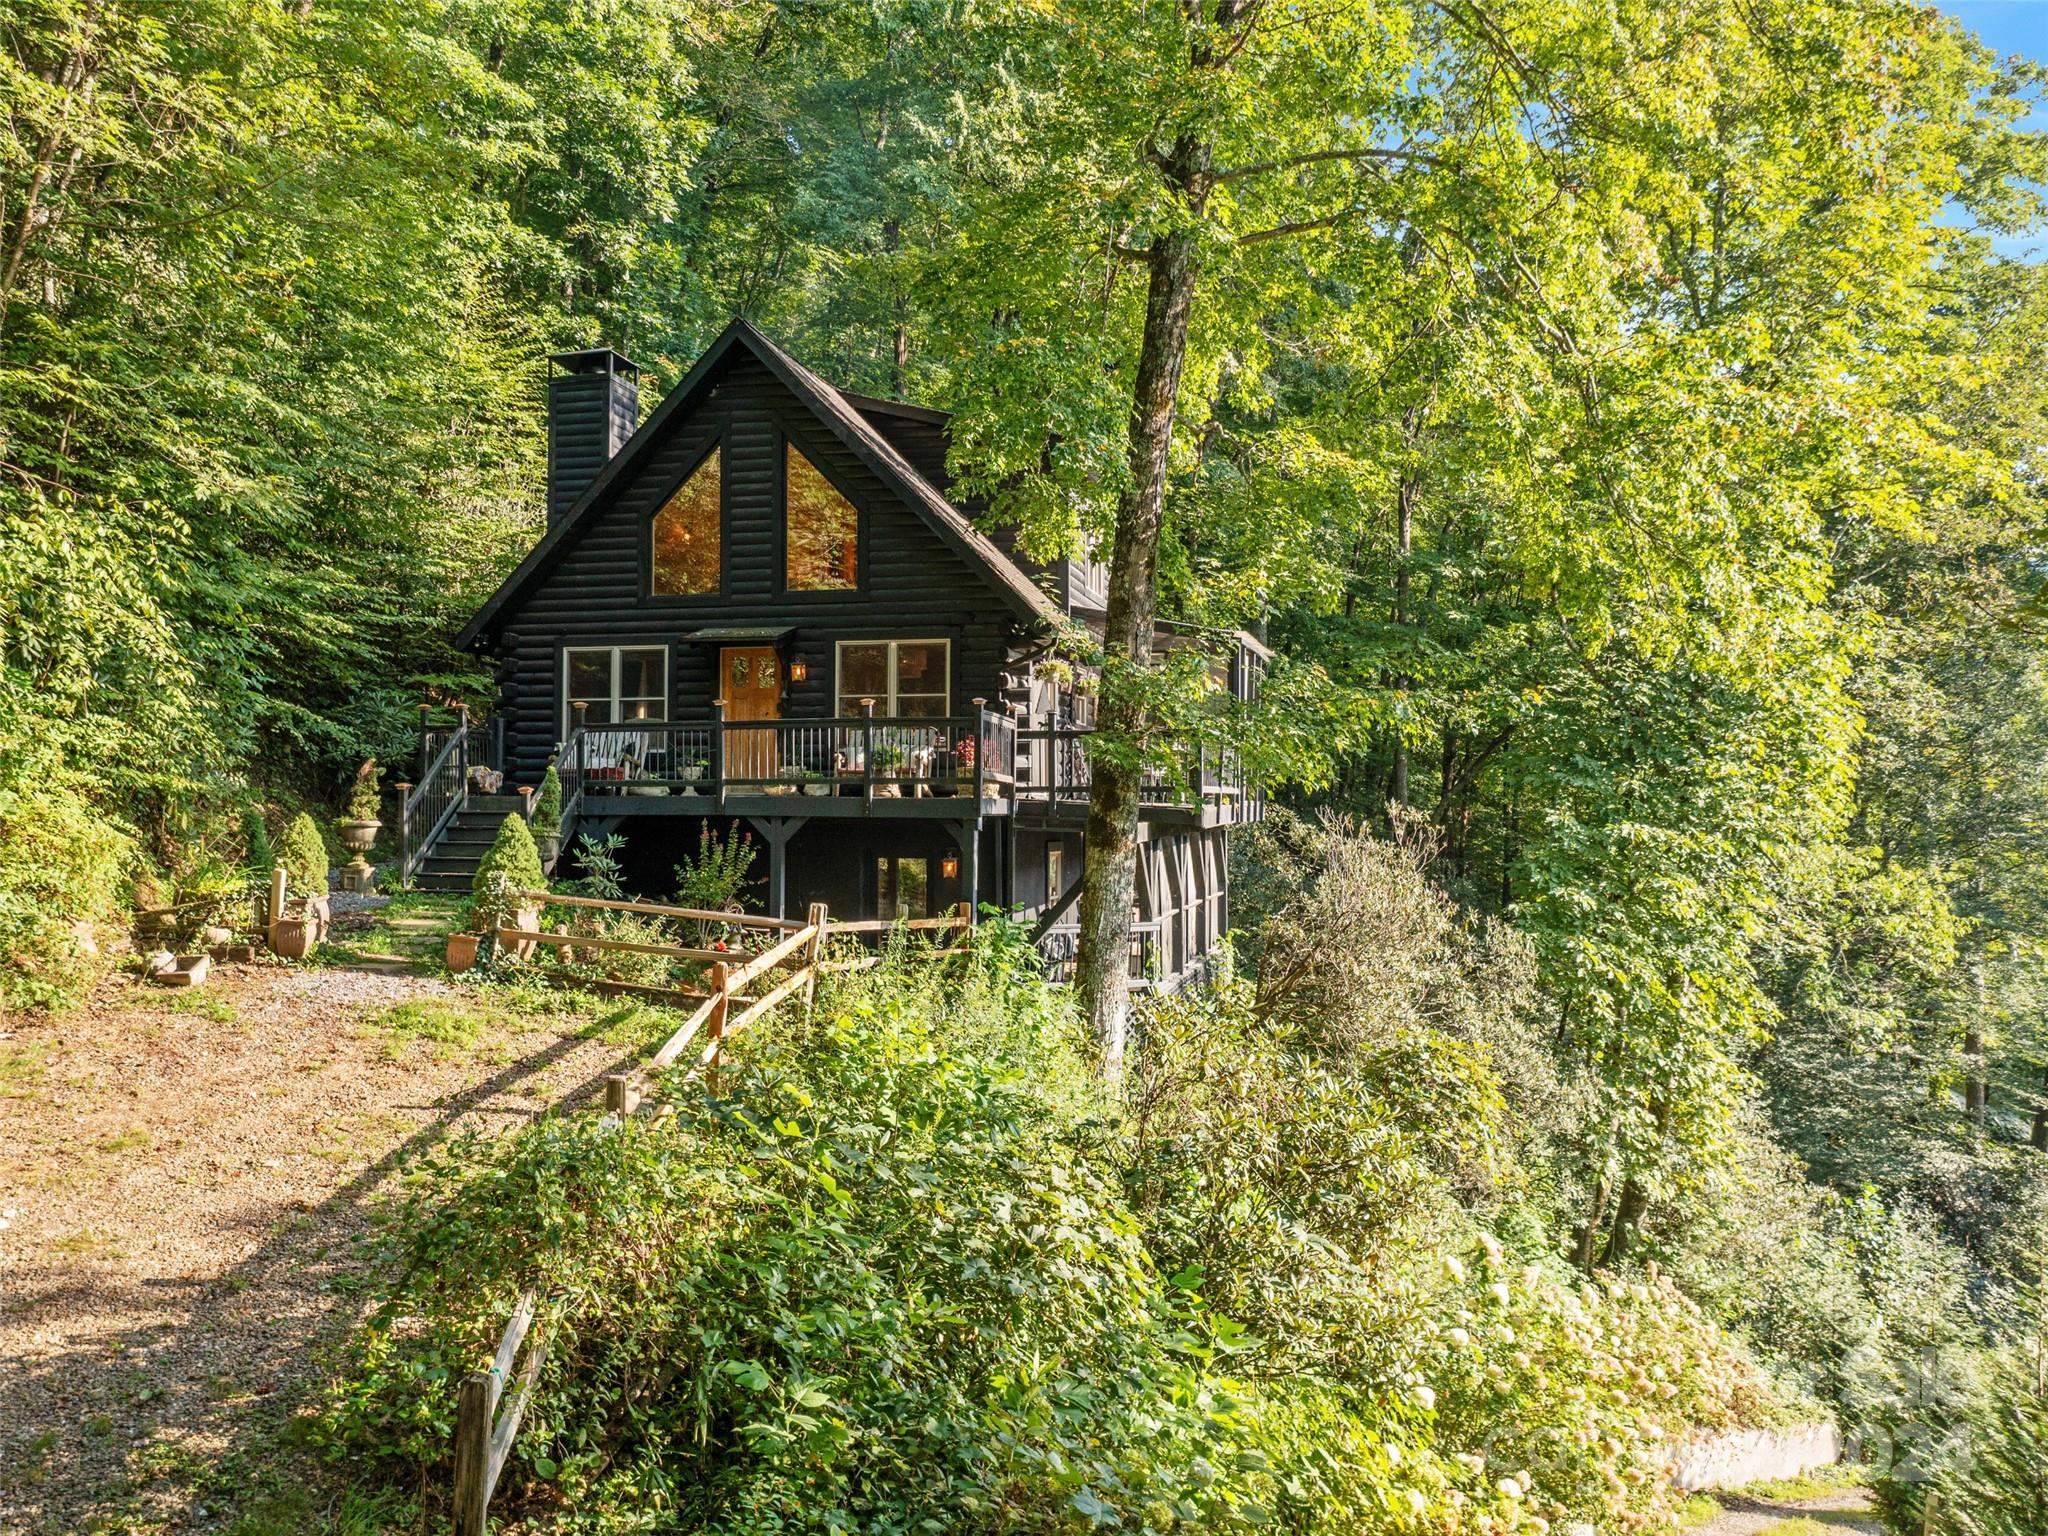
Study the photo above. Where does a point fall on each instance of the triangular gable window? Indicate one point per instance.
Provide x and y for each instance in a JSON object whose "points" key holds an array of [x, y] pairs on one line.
{"points": [[821, 531], [687, 535]]}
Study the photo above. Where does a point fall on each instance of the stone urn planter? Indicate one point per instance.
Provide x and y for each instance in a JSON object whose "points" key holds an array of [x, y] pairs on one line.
{"points": [[549, 846], [359, 837]]}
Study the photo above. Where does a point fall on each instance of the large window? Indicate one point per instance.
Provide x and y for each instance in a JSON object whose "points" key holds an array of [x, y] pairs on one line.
{"points": [[821, 531], [614, 683], [903, 888], [905, 678], [686, 535]]}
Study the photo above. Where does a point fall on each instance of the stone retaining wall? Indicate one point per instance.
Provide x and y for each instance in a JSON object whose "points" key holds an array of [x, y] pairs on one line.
{"points": [[1740, 1456]]}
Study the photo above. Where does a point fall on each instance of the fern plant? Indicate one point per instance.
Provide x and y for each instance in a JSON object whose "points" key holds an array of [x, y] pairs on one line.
{"points": [[713, 880]]}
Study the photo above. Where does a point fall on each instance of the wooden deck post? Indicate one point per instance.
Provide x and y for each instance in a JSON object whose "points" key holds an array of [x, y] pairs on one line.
{"points": [[718, 747], [426, 752], [404, 791], [867, 750], [474, 1409]]}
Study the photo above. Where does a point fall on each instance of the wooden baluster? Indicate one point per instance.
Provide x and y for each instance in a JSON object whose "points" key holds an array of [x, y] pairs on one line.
{"points": [[980, 750], [462, 751], [426, 752]]}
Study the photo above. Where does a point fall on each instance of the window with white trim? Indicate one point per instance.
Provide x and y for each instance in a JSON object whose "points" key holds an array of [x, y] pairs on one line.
{"points": [[907, 679], [614, 683]]}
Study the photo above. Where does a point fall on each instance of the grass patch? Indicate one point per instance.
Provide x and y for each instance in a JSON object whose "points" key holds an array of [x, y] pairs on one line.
{"points": [[21, 1067], [87, 1244], [632, 1025], [127, 1141], [443, 1021], [1697, 1509], [217, 1009], [1816, 1484]]}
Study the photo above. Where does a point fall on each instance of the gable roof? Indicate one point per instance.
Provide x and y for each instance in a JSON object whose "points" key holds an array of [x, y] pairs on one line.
{"points": [[833, 409]]}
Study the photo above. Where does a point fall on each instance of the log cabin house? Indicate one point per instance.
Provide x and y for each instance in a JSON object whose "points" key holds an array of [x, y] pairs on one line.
{"points": [[762, 604]]}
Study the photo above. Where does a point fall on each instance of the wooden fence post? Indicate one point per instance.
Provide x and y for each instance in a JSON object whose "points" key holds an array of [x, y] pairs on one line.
{"points": [[277, 890], [721, 1001], [621, 1098], [474, 1410], [820, 916]]}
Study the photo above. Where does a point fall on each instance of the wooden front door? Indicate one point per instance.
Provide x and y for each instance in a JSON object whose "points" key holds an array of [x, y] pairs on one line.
{"points": [[751, 682]]}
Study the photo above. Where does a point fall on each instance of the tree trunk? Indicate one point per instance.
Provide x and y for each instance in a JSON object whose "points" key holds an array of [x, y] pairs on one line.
{"points": [[1976, 1091], [1109, 877], [1404, 546]]}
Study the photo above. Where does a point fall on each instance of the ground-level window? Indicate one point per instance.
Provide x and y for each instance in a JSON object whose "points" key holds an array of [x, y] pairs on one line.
{"points": [[614, 683], [1055, 872], [903, 888], [906, 678]]}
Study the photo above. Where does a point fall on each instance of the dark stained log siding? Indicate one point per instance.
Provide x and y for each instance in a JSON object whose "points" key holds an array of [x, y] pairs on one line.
{"points": [[913, 585]]}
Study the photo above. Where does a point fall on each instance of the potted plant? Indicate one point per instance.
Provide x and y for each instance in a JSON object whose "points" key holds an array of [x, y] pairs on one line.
{"points": [[816, 783], [788, 777], [691, 772], [501, 893], [889, 760], [303, 857], [547, 816]]}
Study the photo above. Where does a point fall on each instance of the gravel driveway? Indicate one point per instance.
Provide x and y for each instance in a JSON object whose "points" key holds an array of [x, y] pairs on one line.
{"points": [[184, 1173]]}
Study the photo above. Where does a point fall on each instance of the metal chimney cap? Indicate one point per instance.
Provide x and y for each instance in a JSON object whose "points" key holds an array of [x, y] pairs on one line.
{"points": [[596, 360]]}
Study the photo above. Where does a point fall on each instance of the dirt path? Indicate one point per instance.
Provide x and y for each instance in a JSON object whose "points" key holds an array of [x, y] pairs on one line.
{"points": [[182, 1174], [1845, 1508]]}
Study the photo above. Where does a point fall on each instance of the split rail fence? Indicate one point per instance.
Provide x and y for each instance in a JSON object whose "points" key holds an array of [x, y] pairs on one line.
{"points": [[486, 1422]]}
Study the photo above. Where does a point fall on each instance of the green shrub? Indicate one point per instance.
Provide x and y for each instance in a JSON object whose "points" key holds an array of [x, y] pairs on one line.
{"points": [[365, 795], [510, 864], [256, 851], [713, 880], [547, 806], [304, 857], [63, 868]]}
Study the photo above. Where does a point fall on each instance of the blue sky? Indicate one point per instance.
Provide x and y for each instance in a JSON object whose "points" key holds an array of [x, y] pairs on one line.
{"points": [[2011, 26]]}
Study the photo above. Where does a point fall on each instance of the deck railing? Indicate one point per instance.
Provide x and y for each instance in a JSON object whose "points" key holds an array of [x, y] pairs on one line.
{"points": [[1060, 772], [868, 756]]}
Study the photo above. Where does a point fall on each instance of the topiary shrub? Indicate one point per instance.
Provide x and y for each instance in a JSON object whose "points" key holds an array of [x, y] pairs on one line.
{"points": [[547, 807], [365, 795], [512, 864], [304, 857]]}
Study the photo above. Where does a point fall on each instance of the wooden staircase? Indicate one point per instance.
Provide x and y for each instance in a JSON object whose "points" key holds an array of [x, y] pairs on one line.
{"points": [[450, 861]]}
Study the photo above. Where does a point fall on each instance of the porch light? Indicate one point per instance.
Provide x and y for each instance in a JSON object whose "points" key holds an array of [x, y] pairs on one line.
{"points": [[949, 866], [798, 671]]}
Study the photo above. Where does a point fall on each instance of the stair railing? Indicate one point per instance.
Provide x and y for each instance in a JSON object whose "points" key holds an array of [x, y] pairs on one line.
{"points": [[425, 809], [569, 766]]}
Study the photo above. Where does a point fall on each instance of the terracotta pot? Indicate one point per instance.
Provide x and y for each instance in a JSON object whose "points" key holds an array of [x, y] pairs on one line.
{"points": [[293, 938], [461, 953], [359, 836]]}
